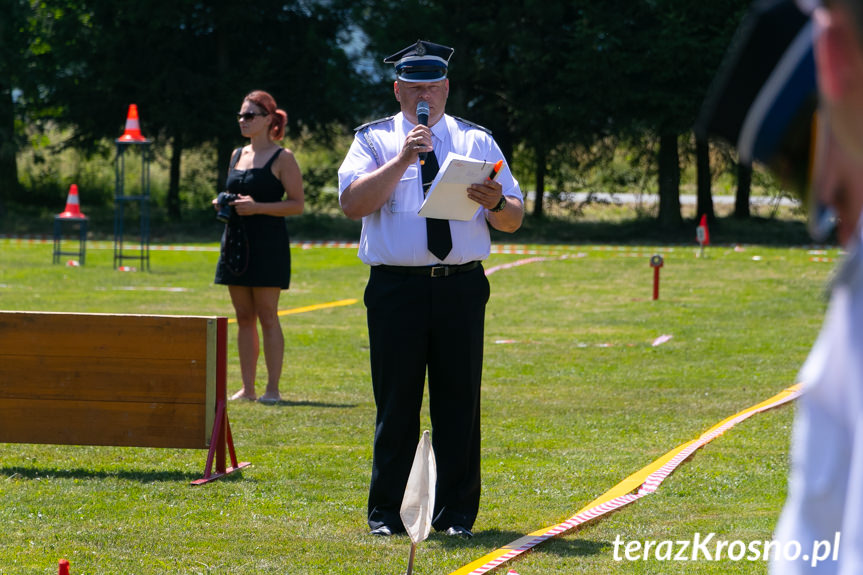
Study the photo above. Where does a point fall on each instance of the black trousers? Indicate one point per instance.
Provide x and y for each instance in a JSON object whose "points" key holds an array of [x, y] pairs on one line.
{"points": [[418, 323]]}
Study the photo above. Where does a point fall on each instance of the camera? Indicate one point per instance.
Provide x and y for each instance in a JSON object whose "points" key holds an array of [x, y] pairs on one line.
{"points": [[226, 210]]}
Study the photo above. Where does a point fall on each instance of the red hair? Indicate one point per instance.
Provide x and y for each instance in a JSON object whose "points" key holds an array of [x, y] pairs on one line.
{"points": [[278, 117]]}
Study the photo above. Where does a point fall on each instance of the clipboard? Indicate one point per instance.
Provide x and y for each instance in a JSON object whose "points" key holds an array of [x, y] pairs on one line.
{"points": [[447, 198]]}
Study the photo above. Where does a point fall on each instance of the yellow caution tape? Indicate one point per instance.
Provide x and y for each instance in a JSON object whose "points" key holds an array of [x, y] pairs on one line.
{"points": [[643, 482], [314, 307]]}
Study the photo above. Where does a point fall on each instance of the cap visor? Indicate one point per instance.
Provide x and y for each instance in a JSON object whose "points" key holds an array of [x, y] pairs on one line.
{"points": [[432, 75]]}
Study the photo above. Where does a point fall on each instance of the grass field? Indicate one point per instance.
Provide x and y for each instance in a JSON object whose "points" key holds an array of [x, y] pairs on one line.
{"points": [[575, 398]]}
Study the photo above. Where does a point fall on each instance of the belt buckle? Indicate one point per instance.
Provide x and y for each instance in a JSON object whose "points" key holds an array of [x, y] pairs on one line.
{"points": [[439, 271]]}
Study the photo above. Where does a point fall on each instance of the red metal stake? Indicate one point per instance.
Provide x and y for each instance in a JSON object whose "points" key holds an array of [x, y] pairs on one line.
{"points": [[656, 263]]}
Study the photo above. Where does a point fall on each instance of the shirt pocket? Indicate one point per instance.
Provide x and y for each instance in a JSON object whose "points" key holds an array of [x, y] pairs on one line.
{"points": [[408, 193]]}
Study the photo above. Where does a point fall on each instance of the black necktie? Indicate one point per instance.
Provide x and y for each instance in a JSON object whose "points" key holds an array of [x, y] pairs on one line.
{"points": [[437, 231]]}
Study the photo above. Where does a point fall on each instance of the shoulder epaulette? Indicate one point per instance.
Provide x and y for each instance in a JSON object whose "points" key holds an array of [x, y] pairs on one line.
{"points": [[373, 122], [471, 124]]}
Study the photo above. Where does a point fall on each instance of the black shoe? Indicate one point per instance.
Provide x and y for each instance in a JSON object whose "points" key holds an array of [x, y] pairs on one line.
{"points": [[459, 531], [382, 531]]}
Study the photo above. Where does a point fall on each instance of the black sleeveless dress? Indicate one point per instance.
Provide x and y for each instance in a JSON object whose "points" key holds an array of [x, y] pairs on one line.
{"points": [[256, 249]]}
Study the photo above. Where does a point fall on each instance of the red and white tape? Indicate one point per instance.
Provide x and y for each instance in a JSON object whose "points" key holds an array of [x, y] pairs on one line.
{"points": [[651, 477]]}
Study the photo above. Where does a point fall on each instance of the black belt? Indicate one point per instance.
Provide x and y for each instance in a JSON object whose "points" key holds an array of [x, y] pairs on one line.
{"points": [[440, 271]]}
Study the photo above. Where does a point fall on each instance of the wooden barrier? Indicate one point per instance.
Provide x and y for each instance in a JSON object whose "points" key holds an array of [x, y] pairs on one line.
{"points": [[123, 380]]}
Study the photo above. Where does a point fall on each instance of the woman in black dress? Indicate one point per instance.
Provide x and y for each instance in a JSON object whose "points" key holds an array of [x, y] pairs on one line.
{"points": [[255, 262]]}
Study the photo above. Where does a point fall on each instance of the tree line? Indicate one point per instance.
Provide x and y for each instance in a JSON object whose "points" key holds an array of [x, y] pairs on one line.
{"points": [[563, 82]]}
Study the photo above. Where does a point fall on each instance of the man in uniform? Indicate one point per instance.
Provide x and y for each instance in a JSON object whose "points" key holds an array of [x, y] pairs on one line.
{"points": [[825, 490], [427, 290], [820, 529]]}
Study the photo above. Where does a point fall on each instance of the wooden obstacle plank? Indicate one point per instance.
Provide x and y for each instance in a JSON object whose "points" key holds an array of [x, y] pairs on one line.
{"points": [[155, 379], [82, 336], [124, 424], [102, 379]]}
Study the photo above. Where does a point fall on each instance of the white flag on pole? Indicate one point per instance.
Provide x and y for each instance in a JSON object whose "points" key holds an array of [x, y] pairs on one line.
{"points": [[418, 502]]}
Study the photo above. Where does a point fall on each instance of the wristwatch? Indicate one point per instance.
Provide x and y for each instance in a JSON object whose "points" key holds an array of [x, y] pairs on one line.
{"points": [[500, 205]]}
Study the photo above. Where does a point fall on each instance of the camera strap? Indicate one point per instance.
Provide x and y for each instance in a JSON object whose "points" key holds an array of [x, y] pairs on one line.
{"points": [[235, 251]]}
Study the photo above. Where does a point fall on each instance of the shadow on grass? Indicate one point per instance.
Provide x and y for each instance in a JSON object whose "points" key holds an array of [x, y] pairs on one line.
{"points": [[333, 226], [640, 231], [512, 540], [142, 476], [306, 403]]}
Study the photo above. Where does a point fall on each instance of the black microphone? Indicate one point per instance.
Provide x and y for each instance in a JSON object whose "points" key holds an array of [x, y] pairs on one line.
{"points": [[423, 118]]}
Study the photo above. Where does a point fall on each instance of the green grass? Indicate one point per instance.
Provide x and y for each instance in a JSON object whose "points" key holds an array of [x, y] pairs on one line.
{"points": [[575, 398]]}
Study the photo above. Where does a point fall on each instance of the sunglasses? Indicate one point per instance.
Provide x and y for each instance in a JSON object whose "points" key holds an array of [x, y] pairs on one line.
{"points": [[249, 116]]}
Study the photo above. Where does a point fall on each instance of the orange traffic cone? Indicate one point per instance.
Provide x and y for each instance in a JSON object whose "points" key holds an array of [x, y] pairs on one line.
{"points": [[73, 209], [133, 128], [63, 567]]}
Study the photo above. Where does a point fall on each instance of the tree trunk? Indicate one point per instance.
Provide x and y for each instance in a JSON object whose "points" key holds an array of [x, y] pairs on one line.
{"points": [[744, 189], [174, 177], [705, 197], [224, 140], [669, 182], [8, 149], [540, 182]]}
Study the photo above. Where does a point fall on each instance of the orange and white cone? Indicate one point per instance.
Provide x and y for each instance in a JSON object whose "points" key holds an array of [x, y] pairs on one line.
{"points": [[133, 127], [73, 208]]}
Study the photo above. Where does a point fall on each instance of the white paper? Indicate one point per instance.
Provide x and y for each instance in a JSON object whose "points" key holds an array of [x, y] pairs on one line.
{"points": [[447, 198], [418, 501]]}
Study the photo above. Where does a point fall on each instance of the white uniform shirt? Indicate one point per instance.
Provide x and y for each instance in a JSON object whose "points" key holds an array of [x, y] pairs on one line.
{"points": [[395, 235], [825, 489]]}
